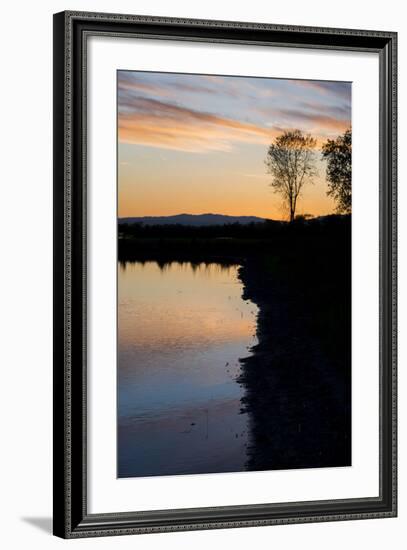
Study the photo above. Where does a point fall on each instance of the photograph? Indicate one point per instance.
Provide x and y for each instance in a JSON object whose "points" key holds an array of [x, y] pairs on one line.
{"points": [[234, 295], [224, 273], [201, 339]]}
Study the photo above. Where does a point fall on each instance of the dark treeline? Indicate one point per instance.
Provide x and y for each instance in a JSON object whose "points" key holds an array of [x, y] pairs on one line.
{"points": [[237, 230], [234, 242]]}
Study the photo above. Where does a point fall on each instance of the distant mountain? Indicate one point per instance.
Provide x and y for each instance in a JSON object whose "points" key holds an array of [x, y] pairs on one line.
{"points": [[192, 219]]}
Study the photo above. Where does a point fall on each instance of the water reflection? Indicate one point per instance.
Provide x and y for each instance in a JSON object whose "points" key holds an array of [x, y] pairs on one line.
{"points": [[182, 329]]}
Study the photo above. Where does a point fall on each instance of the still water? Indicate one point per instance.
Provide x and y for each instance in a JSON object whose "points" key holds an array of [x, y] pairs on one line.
{"points": [[182, 329]]}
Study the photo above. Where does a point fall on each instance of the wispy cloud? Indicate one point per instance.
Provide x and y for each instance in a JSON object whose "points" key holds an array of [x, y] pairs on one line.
{"points": [[170, 85], [338, 89], [202, 113], [163, 124], [135, 85], [317, 118], [339, 111], [315, 121]]}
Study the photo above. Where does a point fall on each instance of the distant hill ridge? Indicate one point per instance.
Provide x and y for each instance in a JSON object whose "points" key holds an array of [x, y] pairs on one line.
{"points": [[193, 219]]}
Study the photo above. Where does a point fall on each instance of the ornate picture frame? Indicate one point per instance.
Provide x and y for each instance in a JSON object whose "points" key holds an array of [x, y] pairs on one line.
{"points": [[71, 516]]}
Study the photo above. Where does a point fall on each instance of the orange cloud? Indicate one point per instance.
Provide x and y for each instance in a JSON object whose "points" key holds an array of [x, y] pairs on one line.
{"points": [[139, 86], [318, 122], [155, 123]]}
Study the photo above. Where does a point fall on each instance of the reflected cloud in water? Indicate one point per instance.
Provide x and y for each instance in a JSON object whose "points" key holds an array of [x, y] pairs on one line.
{"points": [[182, 329]]}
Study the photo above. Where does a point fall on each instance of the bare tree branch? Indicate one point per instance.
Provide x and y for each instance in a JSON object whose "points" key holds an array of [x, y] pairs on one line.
{"points": [[291, 162]]}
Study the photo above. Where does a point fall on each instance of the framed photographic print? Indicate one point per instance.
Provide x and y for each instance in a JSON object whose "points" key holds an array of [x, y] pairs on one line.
{"points": [[224, 274]]}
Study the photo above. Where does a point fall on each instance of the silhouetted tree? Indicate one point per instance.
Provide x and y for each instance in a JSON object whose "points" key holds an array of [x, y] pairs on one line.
{"points": [[291, 162], [338, 153]]}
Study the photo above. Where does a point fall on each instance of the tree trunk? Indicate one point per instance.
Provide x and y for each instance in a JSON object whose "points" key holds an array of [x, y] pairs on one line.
{"points": [[293, 206]]}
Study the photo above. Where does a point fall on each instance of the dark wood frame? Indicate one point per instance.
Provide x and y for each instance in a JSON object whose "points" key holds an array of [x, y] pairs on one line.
{"points": [[71, 518]]}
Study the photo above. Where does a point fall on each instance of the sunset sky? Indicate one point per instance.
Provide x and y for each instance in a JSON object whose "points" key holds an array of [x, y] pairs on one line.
{"points": [[197, 143]]}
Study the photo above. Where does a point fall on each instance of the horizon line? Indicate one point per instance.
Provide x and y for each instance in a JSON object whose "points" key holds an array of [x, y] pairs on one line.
{"points": [[228, 215]]}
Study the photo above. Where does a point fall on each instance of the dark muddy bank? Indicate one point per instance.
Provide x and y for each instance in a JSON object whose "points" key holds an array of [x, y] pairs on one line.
{"points": [[298, 378]]}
